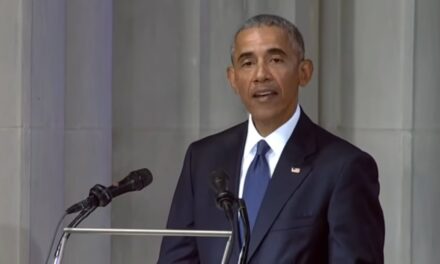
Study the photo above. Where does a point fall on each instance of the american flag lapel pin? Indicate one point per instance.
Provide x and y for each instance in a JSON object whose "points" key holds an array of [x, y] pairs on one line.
{"points": [[295, 170]]}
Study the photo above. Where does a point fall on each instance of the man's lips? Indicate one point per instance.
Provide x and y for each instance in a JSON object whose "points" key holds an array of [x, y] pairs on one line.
{"points": [[264, 93]]}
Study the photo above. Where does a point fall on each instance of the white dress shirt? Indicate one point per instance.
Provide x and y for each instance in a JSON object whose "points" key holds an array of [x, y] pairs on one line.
{"points": [[276, 140]]}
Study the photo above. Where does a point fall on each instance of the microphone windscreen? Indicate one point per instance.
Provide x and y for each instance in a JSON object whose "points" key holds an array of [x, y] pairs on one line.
{"points": [[138, 178], [219, 181], [135, 181]]}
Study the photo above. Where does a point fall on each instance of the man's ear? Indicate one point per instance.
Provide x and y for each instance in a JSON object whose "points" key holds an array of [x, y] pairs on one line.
{"points": [[305, 72], [230, 71]]}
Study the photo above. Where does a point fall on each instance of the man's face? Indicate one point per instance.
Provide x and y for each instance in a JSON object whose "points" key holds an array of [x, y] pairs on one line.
{"points": [[266, 74]]}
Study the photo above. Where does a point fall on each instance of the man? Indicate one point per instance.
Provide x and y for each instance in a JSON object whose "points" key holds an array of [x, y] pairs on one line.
{"points": [[312, 197]]}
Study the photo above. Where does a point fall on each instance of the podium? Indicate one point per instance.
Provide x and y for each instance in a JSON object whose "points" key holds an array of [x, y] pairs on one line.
{"points": [[140, 232]]}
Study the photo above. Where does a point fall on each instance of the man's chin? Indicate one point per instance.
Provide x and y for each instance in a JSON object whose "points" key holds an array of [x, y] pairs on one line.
{"points": [[265, 118]]}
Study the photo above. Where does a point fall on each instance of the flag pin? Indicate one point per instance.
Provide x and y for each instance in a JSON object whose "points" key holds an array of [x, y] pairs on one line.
{"points": [[295, 170]]}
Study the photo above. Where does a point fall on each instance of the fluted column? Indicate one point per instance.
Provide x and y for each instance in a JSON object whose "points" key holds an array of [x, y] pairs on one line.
{"points": [[88, 118], [15, 21], [366, 96], [426, 134], [44, 114]]}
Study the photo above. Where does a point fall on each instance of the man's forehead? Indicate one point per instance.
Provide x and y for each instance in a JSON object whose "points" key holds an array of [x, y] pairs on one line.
{"points": [[272, 31], [264, 38]]}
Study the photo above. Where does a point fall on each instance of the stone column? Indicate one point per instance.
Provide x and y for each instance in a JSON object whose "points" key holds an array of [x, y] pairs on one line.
{"points": [[366, 95], [14, 179], [55, 141], [44, 155], [88, 121], [426, 134]]}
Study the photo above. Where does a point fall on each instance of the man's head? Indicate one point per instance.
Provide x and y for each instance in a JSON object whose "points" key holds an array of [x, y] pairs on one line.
{"points": [[295, 37], [267, 68]]}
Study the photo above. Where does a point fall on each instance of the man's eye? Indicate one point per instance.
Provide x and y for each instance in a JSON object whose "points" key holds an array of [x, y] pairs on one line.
{"points": [[276, 60], [246, 64]]}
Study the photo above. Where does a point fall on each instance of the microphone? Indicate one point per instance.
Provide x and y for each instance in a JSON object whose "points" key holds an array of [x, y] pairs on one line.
{"points": [[226, 200], [101, 196], [220, 182]]}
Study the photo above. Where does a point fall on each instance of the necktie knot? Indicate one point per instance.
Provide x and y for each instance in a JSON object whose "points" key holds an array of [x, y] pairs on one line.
{"points": [[262, 148]]}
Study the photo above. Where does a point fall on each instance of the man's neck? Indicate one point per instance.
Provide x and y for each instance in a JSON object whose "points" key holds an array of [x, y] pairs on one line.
{"points": [[266, 127]]}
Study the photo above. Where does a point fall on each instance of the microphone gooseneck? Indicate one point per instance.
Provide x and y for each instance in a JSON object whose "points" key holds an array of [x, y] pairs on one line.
{"points": [[246, 232]]}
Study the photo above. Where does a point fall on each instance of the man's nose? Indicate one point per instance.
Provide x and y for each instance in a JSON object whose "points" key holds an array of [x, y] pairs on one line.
{"points": [[262, 74]]}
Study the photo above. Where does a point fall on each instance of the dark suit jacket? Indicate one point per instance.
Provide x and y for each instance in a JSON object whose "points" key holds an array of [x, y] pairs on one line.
{"points": [[329, 212]]}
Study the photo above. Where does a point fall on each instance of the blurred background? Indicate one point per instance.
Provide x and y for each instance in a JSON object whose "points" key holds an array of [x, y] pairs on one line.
{"points": [[93, 89]]}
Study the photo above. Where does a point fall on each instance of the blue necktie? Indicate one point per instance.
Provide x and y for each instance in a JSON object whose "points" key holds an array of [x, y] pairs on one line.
{"points": [[257, 179]]}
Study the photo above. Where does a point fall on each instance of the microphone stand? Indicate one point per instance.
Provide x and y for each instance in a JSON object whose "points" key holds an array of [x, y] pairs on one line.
{"points": [[61, 244], [102, 196], [242, 210], [227, 207], [243, 216]]}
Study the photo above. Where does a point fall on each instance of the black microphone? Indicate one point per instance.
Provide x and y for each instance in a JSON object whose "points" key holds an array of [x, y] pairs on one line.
{"points": [[225, 200], [220, 182], [101, 196]]}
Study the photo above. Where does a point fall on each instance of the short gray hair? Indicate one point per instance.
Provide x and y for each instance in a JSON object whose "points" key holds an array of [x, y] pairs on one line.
{"points": [[294, 35]]}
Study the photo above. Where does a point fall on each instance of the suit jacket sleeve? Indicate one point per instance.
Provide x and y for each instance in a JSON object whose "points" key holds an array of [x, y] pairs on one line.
{"points": [[181, 249], [356, 223]]}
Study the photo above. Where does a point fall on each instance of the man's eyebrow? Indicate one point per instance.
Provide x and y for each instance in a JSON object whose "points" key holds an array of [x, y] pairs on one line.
{"points": [[277, 51], [270, 51]]}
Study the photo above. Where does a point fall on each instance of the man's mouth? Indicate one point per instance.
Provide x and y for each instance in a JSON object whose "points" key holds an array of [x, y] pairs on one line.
{"points": [[264, 94]]}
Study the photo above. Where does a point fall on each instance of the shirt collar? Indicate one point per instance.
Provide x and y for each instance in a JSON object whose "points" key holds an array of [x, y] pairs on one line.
{"points": [[276, 140]]}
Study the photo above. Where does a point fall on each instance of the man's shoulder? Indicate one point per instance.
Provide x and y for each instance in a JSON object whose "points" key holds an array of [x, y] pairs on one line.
{"points": [[337, 145], [227, 138], [327, 143], [232, 135]]}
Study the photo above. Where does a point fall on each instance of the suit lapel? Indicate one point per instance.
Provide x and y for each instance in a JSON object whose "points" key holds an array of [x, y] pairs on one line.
{"points": [[232, 162], [289, 173]]}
